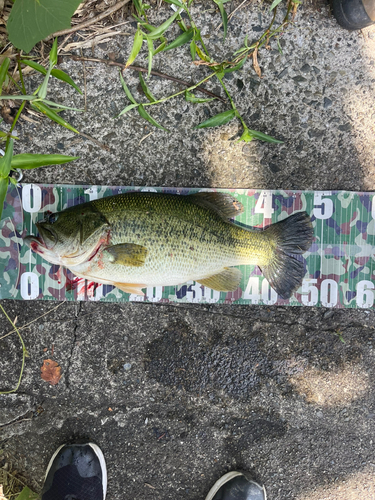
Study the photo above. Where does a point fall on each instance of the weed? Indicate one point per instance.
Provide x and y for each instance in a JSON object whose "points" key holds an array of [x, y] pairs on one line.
{"points": [[38, 102], [191, 35]]}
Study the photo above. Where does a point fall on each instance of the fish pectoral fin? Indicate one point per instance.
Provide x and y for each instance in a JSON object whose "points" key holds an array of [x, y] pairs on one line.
{"points": [[130, 288], [127, 254], [222, 203], [226, 281]]}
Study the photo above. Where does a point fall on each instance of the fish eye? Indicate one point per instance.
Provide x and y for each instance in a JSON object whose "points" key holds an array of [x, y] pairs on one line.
{"points": [[51, 218]]}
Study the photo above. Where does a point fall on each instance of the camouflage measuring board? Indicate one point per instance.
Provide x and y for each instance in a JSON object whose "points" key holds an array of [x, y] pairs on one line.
{"points": [[340, 269]]}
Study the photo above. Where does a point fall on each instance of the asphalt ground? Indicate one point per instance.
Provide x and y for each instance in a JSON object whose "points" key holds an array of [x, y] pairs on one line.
{"points": [[177, 395]]}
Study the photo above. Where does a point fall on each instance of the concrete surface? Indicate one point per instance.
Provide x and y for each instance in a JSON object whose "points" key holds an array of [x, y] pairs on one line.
{"points": [[178, 395]]}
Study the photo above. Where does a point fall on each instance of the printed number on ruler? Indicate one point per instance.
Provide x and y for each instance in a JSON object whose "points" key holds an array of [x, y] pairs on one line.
{"points": [[264, 205], [365, 294], [29, 286], [328, 292], [32, 203], [31, 198], [323, 207], [196, 293], [267, 296]]}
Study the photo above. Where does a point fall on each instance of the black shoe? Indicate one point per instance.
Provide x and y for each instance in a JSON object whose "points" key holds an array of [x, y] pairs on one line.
{"points": [[236, 486], [76, 472], [354, 14]]}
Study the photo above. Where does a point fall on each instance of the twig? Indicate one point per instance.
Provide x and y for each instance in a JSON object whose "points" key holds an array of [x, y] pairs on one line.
{"points": [[145, 137], [100, 144], [84, 79], [24, 354], [144, 70], [33, 321], [91, 21]]}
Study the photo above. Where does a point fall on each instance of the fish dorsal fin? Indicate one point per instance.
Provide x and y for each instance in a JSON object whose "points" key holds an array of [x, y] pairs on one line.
{"points": [[222, 203], [130, 288], [226, 281], [127, 254]]}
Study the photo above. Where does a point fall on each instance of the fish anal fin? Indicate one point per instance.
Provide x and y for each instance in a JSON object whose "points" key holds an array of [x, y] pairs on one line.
{"points": [[130, 288], [127, 254], [227, 280], [222, 203]]}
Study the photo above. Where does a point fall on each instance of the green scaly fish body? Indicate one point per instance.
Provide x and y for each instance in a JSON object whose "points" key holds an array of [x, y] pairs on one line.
{"points": [[141, 239], [184, 241]]}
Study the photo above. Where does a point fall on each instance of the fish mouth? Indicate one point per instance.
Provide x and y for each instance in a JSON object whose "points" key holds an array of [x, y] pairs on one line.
{"points": [[47, 238], [36, 243], [45, 241]]}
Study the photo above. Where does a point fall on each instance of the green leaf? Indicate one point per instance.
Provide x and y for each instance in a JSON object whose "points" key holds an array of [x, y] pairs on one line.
{"points": [[224, 16], [264, 137], [146, 116], [127, 91], [56, 73], [217, 120], [33, 20], [61, 107], [137, 44], [138, 7], [274, 4], [28, 161], [246, 136], [143, 24], [193, 50], [237, 66], [163, 27], [279, 46], [3, 72], [150, 55], [161, 47], [176, 2], [5, 161], [22, 97], [196, 100], [3, 192], [145, 89], [43, 108], [242, 49], [125, 110], [53, 53], [27, 494], [43, 89], [34, 65], [201, 54], [181, 40]]}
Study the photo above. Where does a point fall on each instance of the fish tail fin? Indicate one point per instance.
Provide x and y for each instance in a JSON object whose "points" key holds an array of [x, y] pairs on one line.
{"points": [[293, 235]]}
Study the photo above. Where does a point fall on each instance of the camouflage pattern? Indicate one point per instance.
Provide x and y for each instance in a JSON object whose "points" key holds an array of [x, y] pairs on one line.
{"points": [[339, 264]]}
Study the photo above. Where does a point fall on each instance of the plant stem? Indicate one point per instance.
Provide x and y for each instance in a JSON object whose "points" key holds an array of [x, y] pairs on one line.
{"points": [[15, 83], [21, 76], [179, 93], [231, 101], [14, 122], [24, 352]]}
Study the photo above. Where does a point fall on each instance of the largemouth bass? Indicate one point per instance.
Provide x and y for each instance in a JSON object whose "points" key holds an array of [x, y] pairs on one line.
{"points": [[142, 239]]}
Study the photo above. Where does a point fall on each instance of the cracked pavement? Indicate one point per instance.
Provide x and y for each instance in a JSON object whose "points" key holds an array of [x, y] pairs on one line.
{"points": [[177, 395]]}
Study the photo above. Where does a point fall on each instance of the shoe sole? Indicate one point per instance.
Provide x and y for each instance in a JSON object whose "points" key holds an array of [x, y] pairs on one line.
{"points": [[98, 452], [227, 477]]}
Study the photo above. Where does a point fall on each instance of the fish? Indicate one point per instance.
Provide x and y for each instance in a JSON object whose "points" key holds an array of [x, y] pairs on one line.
{"points": [[145, 239]]}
